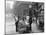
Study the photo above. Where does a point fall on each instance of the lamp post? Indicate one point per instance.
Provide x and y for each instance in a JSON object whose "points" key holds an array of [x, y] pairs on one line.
{"points": [[30, 15]]}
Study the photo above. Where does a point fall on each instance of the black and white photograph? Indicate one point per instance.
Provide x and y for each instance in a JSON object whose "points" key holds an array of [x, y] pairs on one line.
{"points": [[24, 17]]}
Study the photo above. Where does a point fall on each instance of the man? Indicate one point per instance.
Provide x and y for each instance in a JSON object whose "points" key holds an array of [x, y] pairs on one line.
{"points": [[27, 24], [16, 23], [21, 26]]}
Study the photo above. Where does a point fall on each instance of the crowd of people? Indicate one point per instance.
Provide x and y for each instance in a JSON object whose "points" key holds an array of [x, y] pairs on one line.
{"points": [[23, 25]]}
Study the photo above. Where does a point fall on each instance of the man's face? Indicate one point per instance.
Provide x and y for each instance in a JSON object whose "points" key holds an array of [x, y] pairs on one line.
{"points": [[34, 19], [27, 17]]}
